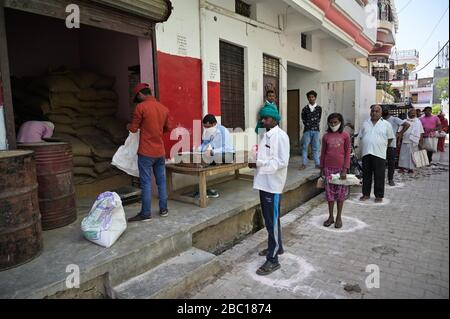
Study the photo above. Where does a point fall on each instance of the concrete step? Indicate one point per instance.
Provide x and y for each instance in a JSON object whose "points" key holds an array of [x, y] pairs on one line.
{"points": [[171, 279]]}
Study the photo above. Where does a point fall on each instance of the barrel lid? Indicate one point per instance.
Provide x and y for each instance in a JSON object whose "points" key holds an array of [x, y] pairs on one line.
{"points": [[15, 153], [41, 144]]}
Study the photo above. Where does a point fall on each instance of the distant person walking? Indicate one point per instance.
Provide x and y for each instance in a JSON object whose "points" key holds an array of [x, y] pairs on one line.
{"points": [[335, 159], [431, 125]]}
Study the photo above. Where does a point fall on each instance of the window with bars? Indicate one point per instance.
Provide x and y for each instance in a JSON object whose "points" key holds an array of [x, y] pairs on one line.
{"points": [[306, 41], [271, 75], [232, 83], [243, 8]]}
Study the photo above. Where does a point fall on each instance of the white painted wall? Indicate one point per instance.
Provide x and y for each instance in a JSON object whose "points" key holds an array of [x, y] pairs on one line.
{"points": [[335, 68], [184, 23], [364, 17]]}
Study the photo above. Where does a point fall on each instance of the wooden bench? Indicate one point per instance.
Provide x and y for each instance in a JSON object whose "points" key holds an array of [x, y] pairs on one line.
{"points": [[202, 174]]}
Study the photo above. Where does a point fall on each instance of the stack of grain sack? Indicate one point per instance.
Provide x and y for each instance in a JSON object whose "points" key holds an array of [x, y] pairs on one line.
{"points": [[83, 105]]}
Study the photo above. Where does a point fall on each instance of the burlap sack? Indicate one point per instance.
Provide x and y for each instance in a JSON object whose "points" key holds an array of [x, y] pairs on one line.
{"points": [[102, 167], [116, 128], [86, 171], [107, 95], [84, 121], [104, 82], [65, 111], [57, 84], [64, 99], [79, 148], [90, 130], [106, 104], [83, 161], [102, 147], [64, 129], [58, 119], [83, 79], [100, 113], [89, 95]]}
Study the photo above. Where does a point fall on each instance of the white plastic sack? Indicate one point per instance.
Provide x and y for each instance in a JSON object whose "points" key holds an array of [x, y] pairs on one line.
{"points": [[351, 180], [126, 157], [106, 220]]}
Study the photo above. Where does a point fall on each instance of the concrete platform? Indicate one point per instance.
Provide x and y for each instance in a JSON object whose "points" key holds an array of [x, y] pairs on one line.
{"points": [[172, 278], [144, 246]]}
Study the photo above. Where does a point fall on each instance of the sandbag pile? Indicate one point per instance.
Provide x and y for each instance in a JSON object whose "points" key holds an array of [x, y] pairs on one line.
{"points": [[82, 105]]}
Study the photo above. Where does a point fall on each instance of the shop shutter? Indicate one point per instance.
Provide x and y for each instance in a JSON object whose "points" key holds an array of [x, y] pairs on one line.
{"points": [[232, 85], [119, 16]]}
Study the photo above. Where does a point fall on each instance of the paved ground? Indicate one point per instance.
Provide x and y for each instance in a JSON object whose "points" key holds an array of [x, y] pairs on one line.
{"points": [[406, 239]]}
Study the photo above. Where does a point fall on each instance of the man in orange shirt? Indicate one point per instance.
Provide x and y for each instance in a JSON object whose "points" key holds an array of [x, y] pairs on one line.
{"points": [[152, 119]]}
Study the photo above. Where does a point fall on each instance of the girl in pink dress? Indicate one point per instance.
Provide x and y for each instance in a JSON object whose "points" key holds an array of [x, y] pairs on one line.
{"points": [[335, 158]]}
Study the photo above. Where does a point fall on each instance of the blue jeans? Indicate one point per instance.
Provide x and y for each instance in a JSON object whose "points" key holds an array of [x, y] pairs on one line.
{"points": [[146, 166], [313, 138]]}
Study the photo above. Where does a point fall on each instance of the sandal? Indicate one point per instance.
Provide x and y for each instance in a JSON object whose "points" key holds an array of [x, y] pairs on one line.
{"points": [[268, 268], [338, 224], [328, 223]]}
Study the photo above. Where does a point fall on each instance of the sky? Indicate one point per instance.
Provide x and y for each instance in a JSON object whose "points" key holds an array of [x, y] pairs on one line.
{"points": [[417, 19]]}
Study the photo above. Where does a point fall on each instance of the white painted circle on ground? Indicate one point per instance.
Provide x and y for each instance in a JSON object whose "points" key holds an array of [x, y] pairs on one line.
{"points": [[397, 185], [294, 270], [370, 202], [349, 224]]}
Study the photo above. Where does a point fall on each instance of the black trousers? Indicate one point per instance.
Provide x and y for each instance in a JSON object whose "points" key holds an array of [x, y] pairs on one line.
{"points": [[391, 156], [374, 168], [271, 206], [430, 156]]}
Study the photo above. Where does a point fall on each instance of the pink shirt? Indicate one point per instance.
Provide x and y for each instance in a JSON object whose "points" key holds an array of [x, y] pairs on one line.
{"points": [[429, 124], [336, 150], [33, 132]]}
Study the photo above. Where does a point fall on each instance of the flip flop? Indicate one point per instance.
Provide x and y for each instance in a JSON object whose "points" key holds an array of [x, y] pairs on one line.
{"points": [[328, 223]]}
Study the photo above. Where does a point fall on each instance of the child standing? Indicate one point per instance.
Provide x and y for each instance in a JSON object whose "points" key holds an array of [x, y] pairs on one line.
{"points": [[335, 158]]}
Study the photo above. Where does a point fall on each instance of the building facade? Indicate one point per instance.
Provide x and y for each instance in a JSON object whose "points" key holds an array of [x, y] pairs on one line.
{"points": [[221, 56]]}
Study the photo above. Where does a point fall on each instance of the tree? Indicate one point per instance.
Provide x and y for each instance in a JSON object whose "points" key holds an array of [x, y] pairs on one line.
{"points": [[442, 86]]}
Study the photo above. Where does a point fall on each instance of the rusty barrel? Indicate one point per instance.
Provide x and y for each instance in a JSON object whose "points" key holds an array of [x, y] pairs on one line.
{"points": [[56, 192], [20, 220]]}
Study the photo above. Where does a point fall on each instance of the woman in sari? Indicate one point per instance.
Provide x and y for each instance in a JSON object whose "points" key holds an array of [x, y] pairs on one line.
{"points": [[411, 140]]}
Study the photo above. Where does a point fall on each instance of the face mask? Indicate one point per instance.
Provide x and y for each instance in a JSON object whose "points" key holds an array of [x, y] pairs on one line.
{"points": [[209, 132], [335, 128]]}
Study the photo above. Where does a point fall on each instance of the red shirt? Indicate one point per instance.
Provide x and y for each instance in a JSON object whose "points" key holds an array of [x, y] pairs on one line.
{"points": [[152, 118], [336, 150]]}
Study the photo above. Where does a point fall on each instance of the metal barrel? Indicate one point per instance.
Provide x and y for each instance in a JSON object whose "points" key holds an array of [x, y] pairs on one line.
{"points": [[20, 219], [54, 169]]}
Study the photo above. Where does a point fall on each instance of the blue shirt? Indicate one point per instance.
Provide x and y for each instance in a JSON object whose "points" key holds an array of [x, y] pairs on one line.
{"points": [[220, 142]]}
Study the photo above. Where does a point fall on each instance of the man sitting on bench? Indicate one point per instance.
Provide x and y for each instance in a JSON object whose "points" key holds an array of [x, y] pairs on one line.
{"points": [[217, 146]]}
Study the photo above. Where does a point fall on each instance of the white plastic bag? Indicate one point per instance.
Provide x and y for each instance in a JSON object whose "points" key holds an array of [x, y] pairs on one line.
{"points": [[106, 220], [126, 157]]}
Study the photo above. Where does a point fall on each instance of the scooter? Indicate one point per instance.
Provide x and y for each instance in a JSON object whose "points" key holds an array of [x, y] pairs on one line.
{"points": [[355, 163]]}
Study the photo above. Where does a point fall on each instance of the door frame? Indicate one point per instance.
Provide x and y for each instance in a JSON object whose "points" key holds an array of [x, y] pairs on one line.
{"points": [[295, 151]]}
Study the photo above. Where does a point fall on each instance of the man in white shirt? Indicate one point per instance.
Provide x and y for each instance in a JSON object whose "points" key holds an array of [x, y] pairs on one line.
{"points": [[376, 135], [271, 172]]}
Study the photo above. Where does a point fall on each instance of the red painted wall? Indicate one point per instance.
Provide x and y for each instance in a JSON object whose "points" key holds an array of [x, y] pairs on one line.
{"points": [[214, 98], [180, 90]]}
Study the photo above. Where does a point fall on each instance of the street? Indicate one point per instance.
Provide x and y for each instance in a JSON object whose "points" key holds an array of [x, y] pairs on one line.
{"points": [[405, 239]]}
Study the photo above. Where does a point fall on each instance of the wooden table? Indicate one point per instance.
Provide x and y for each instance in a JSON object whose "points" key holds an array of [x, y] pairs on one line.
{"points": [[202, 174]]}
